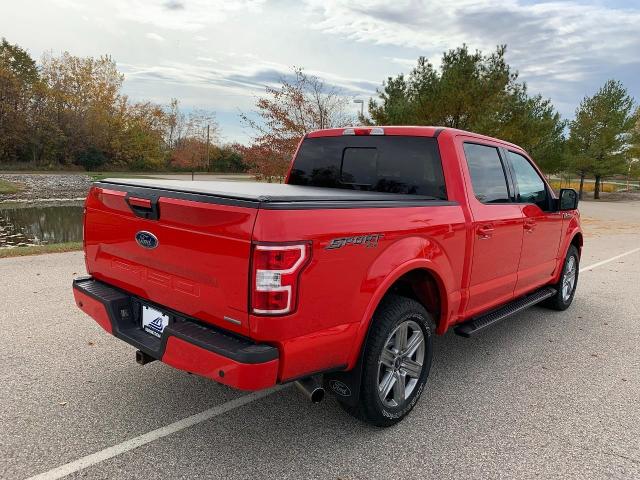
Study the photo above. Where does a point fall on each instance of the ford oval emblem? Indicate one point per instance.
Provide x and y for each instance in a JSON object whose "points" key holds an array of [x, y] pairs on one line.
{"points": [[340, 388], [146, 239]]}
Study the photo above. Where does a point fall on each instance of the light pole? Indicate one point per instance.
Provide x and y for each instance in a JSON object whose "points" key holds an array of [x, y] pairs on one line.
{"points": [[631, 162], [361, 102]]}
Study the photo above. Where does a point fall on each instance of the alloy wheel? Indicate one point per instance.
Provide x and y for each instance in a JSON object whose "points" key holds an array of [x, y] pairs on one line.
{"points": [[569, 278], [400, 363]]}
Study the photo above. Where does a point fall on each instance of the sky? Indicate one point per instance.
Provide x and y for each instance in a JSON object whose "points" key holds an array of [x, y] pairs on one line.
{"points": [[219, 55]]}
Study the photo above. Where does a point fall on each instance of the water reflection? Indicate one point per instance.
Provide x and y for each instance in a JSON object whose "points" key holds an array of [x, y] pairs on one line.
{"points": [[41, 224]]}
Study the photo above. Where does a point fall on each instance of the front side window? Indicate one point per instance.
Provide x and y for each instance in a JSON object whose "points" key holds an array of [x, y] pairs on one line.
{"points": [[487, 174], [531, 188]]}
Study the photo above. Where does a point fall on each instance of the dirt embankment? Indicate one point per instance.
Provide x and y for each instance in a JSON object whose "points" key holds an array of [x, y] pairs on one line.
{"points": [[43, 187]]}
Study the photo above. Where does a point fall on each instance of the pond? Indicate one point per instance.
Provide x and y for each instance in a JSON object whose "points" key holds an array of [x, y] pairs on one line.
{"points": [[29, 224]]}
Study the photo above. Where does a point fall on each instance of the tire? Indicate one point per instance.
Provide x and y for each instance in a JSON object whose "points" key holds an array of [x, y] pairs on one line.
{"points": [[564, 296], [396, 318]]}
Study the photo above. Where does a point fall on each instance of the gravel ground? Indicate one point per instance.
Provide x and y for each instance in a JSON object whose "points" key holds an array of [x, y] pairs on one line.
{"points": [[542, 395], [43, 186]]}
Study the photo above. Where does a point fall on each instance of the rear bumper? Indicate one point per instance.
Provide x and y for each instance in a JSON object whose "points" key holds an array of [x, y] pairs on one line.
{"points": [[185, 344]]}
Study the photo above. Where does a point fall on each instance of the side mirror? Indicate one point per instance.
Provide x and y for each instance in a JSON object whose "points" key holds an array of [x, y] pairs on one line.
{"points": [[568, 199]]}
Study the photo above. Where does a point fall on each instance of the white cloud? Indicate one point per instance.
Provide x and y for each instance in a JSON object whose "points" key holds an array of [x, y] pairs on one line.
{"points": [[220, 54], [245, 77], [155, 36], [181, 15], [405, 62], [550, 41]]}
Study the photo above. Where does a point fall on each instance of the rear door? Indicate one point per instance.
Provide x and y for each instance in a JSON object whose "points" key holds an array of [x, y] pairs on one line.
{"points": [[542, 225], [189, 256], [497, 226]]}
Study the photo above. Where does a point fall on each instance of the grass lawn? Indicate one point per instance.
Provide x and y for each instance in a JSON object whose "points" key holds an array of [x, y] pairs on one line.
{"points": [[588, 186], [39, 249], [9, 187]]}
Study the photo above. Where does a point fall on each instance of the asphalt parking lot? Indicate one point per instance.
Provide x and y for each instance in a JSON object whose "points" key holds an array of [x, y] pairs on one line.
{"points": [[542, 395]]}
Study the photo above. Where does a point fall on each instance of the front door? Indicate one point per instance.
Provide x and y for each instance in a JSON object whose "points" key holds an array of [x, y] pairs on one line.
{"points": [[542, 225], [497, 228]]}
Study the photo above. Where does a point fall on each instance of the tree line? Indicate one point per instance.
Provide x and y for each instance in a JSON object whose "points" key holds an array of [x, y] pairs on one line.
{"points": [[469, 91], [68, 111]]}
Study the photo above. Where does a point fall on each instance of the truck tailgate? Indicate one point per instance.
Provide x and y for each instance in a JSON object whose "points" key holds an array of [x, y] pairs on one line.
{"points": [[200, 265]]}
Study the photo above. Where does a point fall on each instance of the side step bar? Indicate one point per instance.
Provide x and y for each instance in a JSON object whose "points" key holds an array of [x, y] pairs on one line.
{"points": [[478, 324]]}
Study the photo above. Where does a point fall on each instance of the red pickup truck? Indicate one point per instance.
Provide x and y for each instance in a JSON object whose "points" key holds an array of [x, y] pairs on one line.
{"points": [[338, 279]]}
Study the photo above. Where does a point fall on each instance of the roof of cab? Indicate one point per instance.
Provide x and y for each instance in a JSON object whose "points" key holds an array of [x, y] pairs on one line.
{"points": [[404, 130], [416, 131]]}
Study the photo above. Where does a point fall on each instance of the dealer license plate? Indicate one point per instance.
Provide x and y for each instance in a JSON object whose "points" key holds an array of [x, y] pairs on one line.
{"points": [[153, 321]]}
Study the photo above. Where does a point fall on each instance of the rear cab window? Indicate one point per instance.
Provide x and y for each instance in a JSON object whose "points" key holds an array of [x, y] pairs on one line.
{"points": [[392, 164]]}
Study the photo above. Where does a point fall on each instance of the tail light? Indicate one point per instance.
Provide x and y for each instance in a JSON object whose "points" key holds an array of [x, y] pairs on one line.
{"points": [[276, 270]]}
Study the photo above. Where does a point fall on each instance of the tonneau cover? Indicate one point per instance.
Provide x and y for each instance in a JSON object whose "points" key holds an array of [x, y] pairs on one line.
{"points": [[263, 192]]}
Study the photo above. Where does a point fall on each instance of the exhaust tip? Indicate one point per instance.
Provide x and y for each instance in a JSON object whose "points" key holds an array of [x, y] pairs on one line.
{"points": [[317, 395], [311, 388]]}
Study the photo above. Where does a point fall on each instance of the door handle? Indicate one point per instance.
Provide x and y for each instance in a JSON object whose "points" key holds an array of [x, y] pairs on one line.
{"points": [[144, 207], [529, 226], [485, 231], [140, 202]]}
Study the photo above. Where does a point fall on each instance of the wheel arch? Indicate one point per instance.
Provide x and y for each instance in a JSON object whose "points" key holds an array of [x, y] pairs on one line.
{"points": [[419, 279], [577, 241], [411, 274], [572, 237]]}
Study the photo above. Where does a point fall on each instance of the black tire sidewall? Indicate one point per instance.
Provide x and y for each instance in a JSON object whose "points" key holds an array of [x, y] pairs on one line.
{"points": [[377, 412], [572, 252]]}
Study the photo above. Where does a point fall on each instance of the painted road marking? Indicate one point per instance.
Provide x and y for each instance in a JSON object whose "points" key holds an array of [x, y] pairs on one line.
{"points": [[608, 260], [132, 443], [135, 442]]}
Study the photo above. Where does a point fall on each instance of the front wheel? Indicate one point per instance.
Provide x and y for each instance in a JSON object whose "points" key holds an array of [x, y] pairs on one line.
{"points": [[397, 361], [566, 287]]}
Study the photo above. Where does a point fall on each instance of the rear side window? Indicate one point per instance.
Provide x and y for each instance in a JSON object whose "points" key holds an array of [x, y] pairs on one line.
{"points": [[487, 173], [394, 164], [531, 188]]}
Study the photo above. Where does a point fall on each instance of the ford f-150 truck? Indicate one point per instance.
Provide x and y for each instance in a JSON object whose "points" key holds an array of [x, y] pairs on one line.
{"points": [[338, 280]]}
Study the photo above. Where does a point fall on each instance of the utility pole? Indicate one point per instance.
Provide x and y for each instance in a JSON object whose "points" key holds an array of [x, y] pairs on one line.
{"points": [[631, 162], [361, 102], [208, 160]]}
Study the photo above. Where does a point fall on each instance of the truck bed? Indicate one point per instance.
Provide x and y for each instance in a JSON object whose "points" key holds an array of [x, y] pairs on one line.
{"points": [[266, 195]]}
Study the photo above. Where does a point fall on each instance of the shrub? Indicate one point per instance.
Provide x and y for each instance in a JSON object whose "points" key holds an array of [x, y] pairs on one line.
{"points": [[91, 159]]}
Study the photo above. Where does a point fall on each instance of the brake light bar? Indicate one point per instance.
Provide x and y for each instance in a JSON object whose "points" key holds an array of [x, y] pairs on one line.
{"points": [[363, 131], [276, 270]]}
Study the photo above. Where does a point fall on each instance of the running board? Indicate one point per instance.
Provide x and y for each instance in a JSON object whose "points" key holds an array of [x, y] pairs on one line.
{"points": [[478, 324]]}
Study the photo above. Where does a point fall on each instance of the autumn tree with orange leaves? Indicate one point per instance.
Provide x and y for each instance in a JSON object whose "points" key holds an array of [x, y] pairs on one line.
{"points": [[285, 114]]}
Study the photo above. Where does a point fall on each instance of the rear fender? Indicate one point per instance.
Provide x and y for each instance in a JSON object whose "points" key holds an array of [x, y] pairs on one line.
{"points": [[414, 253], [400, 258]]}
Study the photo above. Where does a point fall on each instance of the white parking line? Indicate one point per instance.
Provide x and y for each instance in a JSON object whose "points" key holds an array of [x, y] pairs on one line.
{"points": [[127, 445], [608, 260], [132, 443]]}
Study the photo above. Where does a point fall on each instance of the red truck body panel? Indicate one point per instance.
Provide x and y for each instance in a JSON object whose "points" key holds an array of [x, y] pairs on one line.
{"points": [[202, 266], [337, 287], [184, 355]]}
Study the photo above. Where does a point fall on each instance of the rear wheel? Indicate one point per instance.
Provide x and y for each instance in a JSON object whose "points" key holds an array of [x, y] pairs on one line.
{"points": [[397, 361], [566, 287]]}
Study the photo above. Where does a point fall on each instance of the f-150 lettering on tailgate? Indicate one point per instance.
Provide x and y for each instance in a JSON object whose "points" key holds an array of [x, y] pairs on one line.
{"points": [[159, 278]]}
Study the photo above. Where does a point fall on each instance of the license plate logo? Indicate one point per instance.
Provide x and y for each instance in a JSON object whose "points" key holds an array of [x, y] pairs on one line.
{"points": [[154, 321]]}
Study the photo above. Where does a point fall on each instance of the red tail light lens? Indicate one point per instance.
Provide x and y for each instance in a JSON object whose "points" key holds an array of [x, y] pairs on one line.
{"points": [[276, 269]]}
